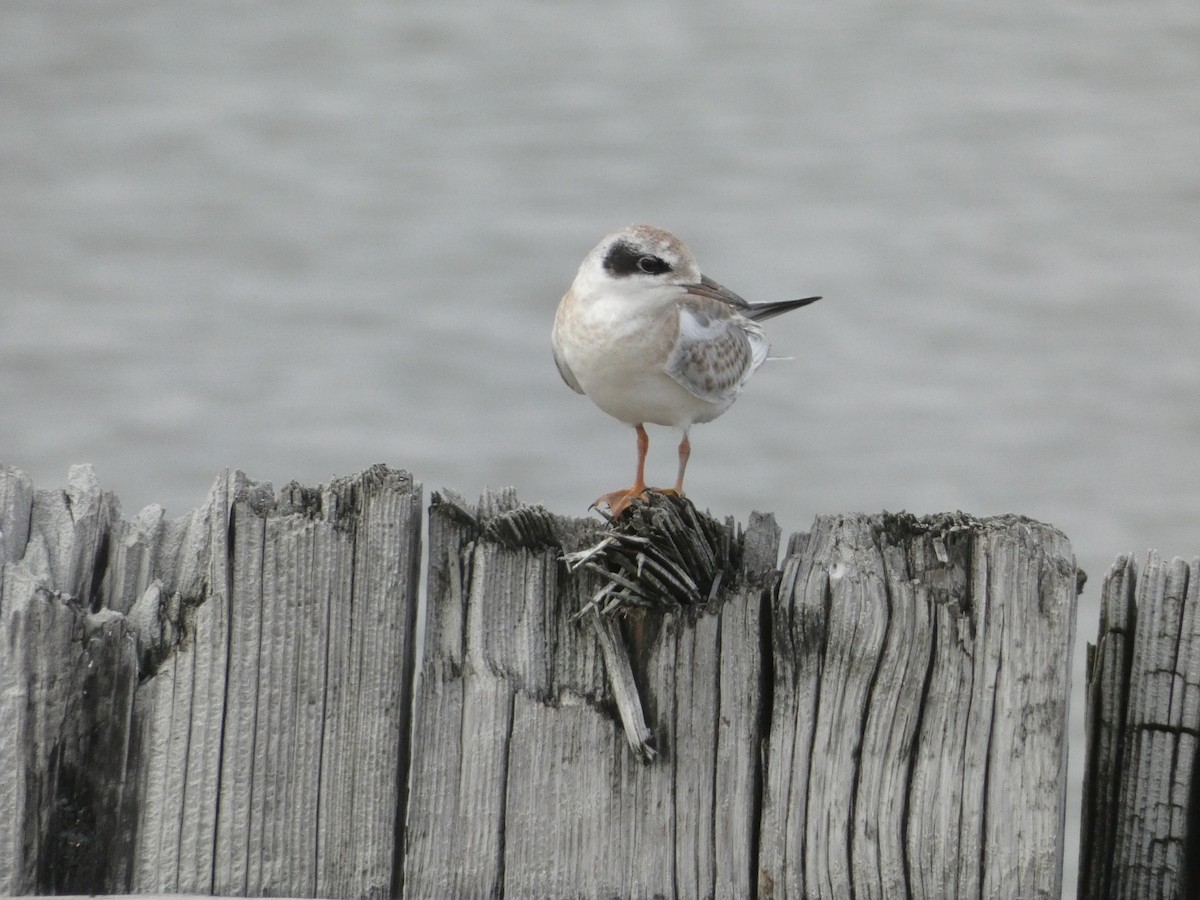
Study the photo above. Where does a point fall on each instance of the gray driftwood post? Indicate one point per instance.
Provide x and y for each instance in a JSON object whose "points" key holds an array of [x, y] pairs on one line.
{"points": [[524, 784], [922, 672], [215, 704], [221, 703], [1140, 834], [887, 717]]}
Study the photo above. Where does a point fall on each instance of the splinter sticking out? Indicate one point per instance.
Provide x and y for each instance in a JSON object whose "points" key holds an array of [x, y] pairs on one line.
{"points": [[651, 340]]}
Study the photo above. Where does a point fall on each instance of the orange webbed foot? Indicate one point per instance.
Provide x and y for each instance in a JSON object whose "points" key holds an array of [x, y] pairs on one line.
{"points": [[619, 501]]}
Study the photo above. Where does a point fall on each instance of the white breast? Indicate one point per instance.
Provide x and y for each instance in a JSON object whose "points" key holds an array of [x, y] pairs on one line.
{"points": [[617, 348]]}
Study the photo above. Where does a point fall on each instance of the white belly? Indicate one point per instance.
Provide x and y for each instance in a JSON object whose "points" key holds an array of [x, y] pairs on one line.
{"points": [[618, 361], [648, 397]]}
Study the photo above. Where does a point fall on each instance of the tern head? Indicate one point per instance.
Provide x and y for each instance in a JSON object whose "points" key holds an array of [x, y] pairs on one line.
{"points": [[647, 265], [637, 259]]}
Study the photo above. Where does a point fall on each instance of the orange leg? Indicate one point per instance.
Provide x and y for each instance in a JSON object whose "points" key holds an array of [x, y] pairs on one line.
{"points": [[618, 501], [685, 450]]}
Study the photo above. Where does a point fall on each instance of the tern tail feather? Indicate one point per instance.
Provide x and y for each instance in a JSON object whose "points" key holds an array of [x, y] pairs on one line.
{"points": [[760, 311]]}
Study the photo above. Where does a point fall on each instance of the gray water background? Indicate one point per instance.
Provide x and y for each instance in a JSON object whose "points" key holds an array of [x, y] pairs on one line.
{"points": [[298, 238]]}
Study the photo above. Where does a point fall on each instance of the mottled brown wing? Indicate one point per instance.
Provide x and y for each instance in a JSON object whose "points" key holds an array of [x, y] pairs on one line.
{"points": [[717, 349]]}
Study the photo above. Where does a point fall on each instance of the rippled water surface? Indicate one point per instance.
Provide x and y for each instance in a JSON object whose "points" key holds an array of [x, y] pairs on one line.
{"points": [[300, 238]]}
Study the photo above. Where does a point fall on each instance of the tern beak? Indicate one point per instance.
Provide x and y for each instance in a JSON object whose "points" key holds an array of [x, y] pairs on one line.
{"points": [[706, 287]]}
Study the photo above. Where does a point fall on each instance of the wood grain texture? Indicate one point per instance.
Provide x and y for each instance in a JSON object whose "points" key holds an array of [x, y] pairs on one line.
{"points": [[68, 671], [917, 738], [215, 704], [224, 703], [528, 785], [1141, 801]]}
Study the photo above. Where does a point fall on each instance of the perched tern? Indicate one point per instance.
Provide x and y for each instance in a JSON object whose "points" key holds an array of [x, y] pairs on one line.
{"points": [[651, 340]]}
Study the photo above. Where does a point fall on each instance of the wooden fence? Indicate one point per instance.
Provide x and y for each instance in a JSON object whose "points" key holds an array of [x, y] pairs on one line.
{"points": [[237, 703]]}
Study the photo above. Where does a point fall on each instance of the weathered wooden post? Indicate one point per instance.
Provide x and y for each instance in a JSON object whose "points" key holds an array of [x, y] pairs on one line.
{"points": [[221, 703], [1140, 833], [217, 704], [918, 736], [888, 717], [524, 784]]}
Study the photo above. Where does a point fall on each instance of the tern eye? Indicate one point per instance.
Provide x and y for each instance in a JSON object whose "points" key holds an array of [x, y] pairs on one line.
{"points": [[653, 265], [624, 259]]}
